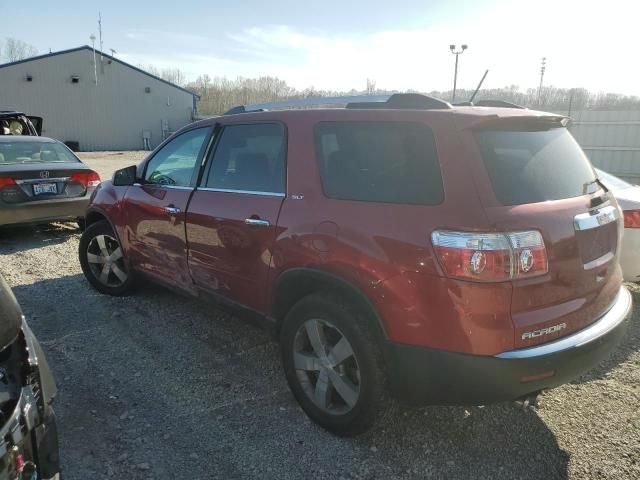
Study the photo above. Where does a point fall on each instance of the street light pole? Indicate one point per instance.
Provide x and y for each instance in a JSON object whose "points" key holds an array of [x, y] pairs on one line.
{"points": [[457, 53]]}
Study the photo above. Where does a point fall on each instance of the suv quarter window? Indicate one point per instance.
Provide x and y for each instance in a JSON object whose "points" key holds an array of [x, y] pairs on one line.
{"points": [[174, 164], [389, 162], [249, 158]]}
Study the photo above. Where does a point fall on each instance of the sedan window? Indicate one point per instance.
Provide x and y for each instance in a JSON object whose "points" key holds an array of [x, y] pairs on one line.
{"points": [[174, 164], [34, 152]]}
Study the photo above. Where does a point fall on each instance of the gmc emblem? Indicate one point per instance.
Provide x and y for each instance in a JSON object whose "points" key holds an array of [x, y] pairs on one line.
{"points": [[544, 331], [44, 174]]}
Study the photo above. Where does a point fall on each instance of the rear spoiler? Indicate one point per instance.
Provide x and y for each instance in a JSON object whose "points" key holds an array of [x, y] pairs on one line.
{"points": [[518, 122]]}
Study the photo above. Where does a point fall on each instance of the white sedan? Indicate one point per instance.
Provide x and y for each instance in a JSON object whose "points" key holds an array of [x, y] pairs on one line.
{"points": [[628, 197]]}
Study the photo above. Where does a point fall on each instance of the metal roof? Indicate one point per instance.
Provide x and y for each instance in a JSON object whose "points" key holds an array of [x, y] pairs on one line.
{"points": [[110, 57]]}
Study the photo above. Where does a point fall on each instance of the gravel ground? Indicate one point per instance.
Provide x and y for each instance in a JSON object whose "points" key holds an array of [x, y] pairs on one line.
{"points": [[160, 386], [105, 163]]}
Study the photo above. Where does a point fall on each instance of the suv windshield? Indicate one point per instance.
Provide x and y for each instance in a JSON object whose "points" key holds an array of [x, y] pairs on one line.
{"points": [[34, 152], [535, 166]]}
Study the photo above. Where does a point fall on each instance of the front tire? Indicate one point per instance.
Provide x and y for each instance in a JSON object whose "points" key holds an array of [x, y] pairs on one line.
{"points": [[102, 260], [333, 364]]}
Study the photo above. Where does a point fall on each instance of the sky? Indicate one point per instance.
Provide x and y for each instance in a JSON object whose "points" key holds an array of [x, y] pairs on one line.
{"points": [[337, 45]]}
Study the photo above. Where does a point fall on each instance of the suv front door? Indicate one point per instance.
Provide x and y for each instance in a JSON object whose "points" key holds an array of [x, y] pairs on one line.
{"points": [[232, 216], [155, 208]]}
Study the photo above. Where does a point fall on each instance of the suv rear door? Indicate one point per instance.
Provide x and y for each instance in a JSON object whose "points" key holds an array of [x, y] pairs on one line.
{"points": [[232, 217], [155, 209], [534, 176]]}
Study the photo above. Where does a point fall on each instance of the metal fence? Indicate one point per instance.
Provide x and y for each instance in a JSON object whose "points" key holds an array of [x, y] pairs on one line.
{"points": [[611, 139]]}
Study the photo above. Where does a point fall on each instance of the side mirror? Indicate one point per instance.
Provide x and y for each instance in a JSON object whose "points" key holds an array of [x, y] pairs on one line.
{"points": [[125, 177]]}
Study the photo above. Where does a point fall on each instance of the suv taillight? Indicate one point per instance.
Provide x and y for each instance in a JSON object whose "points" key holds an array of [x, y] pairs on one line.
{"points": [[6, 181], [490, 257], [631, 218], [88, 179]]}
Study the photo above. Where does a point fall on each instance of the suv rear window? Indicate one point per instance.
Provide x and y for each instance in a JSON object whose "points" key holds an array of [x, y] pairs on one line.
{"points": [[535, 166], [391, 162]]}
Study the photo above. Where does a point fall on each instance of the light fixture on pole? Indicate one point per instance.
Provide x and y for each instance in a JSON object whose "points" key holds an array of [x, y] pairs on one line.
{"points": [[453, 50], [95, 67]]}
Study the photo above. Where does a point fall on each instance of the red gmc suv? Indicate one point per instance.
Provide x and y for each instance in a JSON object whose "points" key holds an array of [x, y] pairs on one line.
{"points": [[399, 246]]}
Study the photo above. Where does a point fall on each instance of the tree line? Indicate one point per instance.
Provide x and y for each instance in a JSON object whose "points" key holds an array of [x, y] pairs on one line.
{"points": [[12, 50], [219, 94]]}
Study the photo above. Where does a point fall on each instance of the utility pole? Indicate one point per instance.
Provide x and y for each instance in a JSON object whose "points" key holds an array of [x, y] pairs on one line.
{"points": [[573, 90], [100, 30], [101, 45], [543, 67], [453, 50]]}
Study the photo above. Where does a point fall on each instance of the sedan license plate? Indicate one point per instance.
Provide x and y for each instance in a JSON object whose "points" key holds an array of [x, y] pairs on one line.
{"points": [[45, 188]]}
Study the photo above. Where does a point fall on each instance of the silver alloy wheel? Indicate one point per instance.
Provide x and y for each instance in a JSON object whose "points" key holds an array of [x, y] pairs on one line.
{"points": [[106, 261], [326, 366]]}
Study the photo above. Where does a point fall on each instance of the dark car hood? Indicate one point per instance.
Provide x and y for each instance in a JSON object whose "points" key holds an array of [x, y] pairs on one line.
{"points": [[10, 315]]}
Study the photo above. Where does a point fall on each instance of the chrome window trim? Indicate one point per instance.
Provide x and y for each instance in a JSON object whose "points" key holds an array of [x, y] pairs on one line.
{"points": [[42, 180], [596, 218], [618, 312], [173, 187], [246, 192]]}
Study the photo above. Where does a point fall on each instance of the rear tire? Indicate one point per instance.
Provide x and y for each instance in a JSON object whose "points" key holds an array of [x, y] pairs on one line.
{"points": [[333, 364], [103, 262]]}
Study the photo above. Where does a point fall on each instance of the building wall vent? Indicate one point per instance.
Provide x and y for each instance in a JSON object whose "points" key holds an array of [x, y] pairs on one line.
{"points": [[147, 89], [75, 78], [29, 78]]}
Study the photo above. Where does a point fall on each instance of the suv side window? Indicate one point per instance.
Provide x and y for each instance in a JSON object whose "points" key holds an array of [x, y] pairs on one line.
{"points": [[174, 164], [391, 162], [249, 158]]}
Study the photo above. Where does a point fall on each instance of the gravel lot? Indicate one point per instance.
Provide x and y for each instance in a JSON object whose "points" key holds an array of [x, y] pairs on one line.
{"points": [[161, 386]]}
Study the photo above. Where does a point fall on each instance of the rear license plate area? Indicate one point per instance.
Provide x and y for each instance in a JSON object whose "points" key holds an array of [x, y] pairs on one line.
{"points": [[597, 242], [45, 189]]}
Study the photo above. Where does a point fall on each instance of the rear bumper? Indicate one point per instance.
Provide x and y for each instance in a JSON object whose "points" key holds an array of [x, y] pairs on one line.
{"points": [[441, 377], [44, 210]]}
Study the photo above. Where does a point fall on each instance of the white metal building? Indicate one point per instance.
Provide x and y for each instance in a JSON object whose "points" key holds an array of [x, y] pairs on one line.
{"points": [[611, 139], [96, 100]]}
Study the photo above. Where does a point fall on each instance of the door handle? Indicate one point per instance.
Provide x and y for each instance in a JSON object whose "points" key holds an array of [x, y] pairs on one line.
{"points": [[172, 210], [256, 222]]}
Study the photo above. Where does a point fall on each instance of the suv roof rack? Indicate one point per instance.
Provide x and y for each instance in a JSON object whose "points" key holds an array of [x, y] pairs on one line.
{"points": [[497, 104], [394, 101]]}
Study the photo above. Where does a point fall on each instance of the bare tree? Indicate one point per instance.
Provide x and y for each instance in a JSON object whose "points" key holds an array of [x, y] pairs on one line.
{"points": [[15, 50], [173, 75]]}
